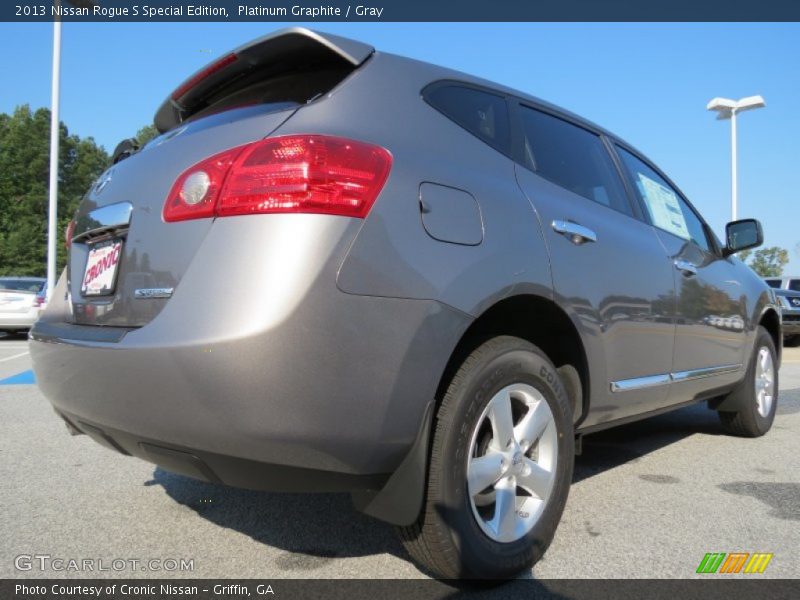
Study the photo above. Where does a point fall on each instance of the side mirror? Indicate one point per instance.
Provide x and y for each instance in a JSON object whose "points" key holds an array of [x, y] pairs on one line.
{"points": [[741, 235]]}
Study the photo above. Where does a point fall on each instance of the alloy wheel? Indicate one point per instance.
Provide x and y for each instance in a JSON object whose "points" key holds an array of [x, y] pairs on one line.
{"points": [[512, 462]]}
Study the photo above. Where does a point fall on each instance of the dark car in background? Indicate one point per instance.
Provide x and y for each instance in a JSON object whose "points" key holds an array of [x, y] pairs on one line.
{"points": [[790, 311], [446, 283], [784, 283]]}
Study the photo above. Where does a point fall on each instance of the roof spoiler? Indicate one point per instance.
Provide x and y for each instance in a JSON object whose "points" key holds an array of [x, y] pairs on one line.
{"points": [[283, 50]]}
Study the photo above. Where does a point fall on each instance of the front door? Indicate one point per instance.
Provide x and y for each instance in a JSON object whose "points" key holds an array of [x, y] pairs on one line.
{"points": [[711, 309]]}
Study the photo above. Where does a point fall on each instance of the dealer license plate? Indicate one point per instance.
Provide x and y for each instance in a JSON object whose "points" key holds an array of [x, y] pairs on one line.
{"points": [[100, 274]]}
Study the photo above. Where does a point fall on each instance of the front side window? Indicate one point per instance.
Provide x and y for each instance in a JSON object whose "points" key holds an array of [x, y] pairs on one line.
{"points": [[572, 157], [794, 284], [665, 207], [483, 114], [774, 283]]}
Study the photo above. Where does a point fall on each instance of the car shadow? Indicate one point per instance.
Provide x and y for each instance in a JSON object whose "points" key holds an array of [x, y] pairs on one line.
{"points": [[624, 444], [16, 336], [315, 529], [312, 529]]}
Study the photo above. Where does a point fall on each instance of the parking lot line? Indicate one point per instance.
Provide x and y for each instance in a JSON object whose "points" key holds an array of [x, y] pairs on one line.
{"points": [[20, 355], [24, 378]]}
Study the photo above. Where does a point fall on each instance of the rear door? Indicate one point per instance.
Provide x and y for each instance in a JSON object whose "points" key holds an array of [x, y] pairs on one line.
{"points": [[609, 269], [711, 305]]}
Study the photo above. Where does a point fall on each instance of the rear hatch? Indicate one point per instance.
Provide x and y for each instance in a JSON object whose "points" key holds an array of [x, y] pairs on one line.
{"points": [[124, 259]]}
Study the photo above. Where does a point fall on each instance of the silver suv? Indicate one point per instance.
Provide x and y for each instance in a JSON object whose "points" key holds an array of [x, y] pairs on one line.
{"points": [[440, 285]]}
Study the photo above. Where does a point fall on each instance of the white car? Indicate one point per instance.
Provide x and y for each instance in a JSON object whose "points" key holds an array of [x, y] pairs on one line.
{"points": [[21, 301]]}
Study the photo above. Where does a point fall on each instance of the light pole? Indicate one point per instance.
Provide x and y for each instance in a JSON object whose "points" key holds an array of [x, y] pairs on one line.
{"points": [[52, 211], [728, 109], [55, 92]]}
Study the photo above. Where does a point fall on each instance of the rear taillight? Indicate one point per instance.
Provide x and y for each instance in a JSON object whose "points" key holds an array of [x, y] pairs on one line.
{"points": [[203, 75], [38, 301], [289, 174], [69, 233]]}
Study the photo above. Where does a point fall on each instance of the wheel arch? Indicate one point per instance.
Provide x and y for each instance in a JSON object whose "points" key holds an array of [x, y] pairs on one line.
{"points": [[771, 321], [536, 319]]}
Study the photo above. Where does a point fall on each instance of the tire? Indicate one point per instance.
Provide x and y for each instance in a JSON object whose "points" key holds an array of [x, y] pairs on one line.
{"points": [[455, 535], [755, 415]]}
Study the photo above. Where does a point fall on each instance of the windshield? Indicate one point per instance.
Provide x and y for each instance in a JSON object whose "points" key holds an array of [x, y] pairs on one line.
{"points": [[31, 286]]}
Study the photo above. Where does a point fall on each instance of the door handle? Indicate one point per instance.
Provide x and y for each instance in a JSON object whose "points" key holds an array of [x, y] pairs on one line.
{"points": [[686, 268], [577, 234]]}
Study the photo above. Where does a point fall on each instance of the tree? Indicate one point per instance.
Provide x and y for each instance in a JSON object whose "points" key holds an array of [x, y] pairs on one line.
{"points": [[146, 133], [769, 262], [24, 176]]}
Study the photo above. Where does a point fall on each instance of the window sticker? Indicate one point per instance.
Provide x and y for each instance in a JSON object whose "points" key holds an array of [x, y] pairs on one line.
{"points": [[665, 209]]}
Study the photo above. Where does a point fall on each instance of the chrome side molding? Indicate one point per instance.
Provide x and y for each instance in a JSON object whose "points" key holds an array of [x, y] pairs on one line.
{"points": [[706, 372], [638, 383]]}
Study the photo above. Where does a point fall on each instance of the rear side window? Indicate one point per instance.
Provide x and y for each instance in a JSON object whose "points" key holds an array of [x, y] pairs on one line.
{"points": [[573, 158], [665, 207], [774, 283], [483, 114]]}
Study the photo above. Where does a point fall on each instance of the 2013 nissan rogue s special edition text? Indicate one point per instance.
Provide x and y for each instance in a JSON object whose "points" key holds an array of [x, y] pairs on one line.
{"points": [[439, 284]]}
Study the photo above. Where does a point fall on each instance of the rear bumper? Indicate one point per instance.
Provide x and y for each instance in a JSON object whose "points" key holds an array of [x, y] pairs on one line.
{"points": [[217, 468], [309, 379], [18, 320]]}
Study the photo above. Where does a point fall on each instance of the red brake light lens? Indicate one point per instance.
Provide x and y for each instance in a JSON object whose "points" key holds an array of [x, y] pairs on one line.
{"points": [[289, 174], [69, 233], [185, 200], [204, 74]]}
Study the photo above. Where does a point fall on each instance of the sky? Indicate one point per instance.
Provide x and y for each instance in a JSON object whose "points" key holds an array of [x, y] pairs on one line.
{"points": [[648, 83]]}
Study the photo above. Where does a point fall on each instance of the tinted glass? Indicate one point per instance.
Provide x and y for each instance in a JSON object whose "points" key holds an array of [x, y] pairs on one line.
{"points": [[774, 283], [481, 113], [573, 158], [21, 285], [794, 284], [665, 207]]}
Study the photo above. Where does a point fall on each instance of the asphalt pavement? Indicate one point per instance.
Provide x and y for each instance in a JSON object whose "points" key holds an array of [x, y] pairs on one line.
{"points": [[648, 500]]}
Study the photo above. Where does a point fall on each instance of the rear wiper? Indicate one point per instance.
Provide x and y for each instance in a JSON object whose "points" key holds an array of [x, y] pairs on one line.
{"points": [[125, 149]]}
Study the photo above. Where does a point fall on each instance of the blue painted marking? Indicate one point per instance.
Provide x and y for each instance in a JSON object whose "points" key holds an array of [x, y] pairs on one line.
{"points": [[26, 377]]}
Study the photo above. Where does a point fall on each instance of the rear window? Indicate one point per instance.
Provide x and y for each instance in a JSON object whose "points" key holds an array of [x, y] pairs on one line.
{"points": [[483, 114], [278, 93], [21, 285], [572, 157]]}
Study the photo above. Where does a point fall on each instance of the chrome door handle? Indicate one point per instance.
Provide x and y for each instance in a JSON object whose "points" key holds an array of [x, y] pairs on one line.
{"points": [[577, 234], [685, 267]]}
